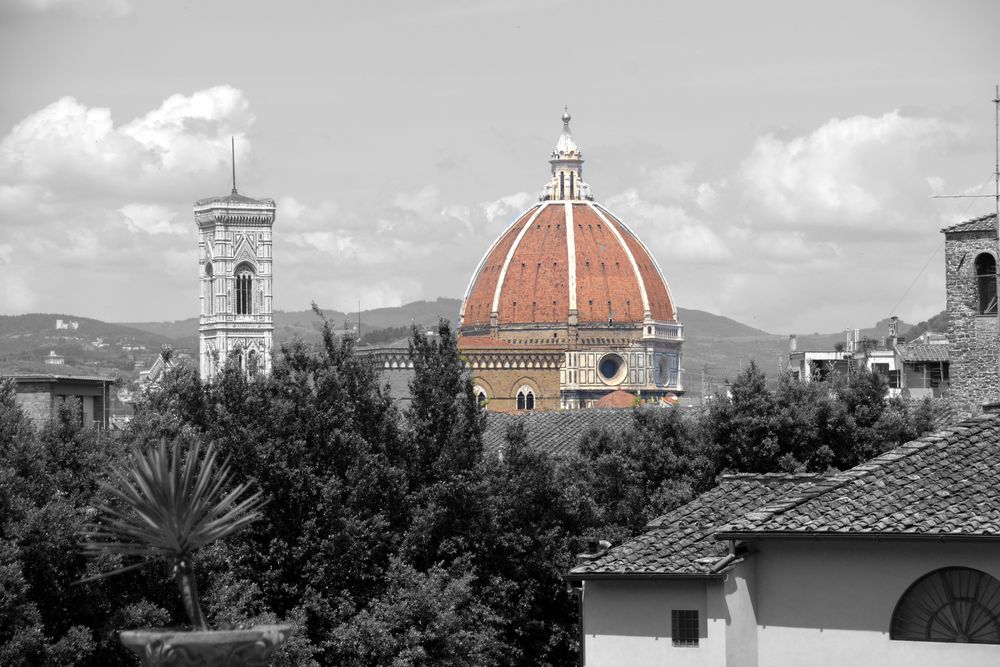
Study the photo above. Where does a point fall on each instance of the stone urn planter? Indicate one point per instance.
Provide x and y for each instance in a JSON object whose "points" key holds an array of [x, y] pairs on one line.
{"points": [[249, 647], [168, 502]]}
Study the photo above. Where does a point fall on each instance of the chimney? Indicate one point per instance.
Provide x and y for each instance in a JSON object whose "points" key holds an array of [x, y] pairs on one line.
{"points": [[893, 331], [793, 343], [595, 549]]}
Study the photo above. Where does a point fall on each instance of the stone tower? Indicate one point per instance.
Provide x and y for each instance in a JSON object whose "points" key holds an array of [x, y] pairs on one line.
{"points": [[971, 284], [234, 249]]}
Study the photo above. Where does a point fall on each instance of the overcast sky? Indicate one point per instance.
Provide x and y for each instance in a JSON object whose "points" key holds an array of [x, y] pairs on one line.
{"points": [[778, 158]]}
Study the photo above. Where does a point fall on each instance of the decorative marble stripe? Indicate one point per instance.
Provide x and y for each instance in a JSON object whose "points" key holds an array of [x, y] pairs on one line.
{"points": [[482, 262], [510, 255], [635, 266], [651, 258], [571, 254]]}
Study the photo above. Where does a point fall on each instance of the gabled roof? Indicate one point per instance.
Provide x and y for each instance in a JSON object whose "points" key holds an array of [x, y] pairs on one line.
{"points": [[556, 433], [683, 542], [937, 352], [943, 485], [984, 223]]}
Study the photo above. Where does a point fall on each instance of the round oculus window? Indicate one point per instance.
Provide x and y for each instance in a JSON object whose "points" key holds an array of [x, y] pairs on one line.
{"points": [[611, 368]]}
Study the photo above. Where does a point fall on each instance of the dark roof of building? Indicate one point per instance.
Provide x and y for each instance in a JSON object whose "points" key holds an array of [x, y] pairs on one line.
{"points": [[944, 484], [914, 352], [683, 541], [235, 198], [984, 223], [47, 377], [556, 433]]}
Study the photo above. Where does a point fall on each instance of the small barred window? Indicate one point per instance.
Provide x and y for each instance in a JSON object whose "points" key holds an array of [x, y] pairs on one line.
{"points": [[684, 627]]}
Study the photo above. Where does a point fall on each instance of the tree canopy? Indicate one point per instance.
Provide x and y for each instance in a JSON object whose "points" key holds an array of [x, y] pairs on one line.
{"points": [[390, 537]]}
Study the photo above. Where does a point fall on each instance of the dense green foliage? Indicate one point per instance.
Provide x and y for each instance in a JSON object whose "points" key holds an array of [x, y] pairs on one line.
{"points": [[391, 537]]}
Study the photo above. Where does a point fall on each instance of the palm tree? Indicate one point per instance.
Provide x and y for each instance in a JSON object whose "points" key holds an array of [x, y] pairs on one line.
{"points": [[168, 507]]}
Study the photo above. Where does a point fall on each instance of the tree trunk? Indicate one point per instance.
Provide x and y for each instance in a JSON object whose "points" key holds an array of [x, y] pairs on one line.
{"points": [[184, 576]]}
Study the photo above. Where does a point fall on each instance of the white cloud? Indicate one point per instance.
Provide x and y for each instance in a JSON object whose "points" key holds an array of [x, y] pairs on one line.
{"points": [[671, 233], [70, 147], [77, 8], [83, 198], [417, 247], [852, 172], [150, 218]]}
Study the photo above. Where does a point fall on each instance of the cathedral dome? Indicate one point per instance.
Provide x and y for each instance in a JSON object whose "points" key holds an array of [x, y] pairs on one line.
{"points": [[566, 260]]}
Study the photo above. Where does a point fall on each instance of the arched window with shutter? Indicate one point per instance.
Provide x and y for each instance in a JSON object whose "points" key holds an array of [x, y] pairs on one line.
{"points": [[986, 283], [953, 604]]}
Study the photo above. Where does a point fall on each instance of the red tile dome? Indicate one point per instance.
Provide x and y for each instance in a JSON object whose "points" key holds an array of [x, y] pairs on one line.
{"points": [[563, 255]]}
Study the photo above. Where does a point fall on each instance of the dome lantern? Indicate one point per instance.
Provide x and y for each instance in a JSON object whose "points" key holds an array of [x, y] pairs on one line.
{"points": [[567, 169]]}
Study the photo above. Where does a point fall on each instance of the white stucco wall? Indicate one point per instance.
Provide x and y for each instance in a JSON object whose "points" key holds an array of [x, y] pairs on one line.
{"points": [[830, 602], [628, 623]]}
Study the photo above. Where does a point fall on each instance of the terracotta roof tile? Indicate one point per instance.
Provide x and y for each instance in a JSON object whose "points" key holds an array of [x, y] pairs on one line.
{"points": [[942, 484], [616, 399], [984, 223], [556, 433], [536, 284], [479, 302], [683, 541]]}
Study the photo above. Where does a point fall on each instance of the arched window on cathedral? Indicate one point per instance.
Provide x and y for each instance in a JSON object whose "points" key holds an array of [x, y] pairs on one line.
{"points": [[209, 289], [236, 359], [480, 394], [525, 399], [252, 363], [986, 283], [244, 290], [953, 604]]}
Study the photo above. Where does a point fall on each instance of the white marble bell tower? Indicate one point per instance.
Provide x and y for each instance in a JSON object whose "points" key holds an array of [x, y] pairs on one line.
{"points": [[234, 249]]}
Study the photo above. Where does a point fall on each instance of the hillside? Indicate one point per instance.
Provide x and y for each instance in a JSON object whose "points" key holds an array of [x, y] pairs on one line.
{"points": [[305, 324], [715, 347], [93, 347]]}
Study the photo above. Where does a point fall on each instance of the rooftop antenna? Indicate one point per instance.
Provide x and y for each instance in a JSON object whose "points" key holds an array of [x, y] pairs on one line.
{"points": [[232, 140], [996, 183]]}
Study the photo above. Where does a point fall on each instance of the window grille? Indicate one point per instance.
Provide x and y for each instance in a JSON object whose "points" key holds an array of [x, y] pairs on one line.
{"points": [[684, 627], [953, 604]]}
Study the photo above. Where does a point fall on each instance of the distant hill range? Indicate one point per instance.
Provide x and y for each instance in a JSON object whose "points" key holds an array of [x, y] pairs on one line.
{"points": [[715, 347]]}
